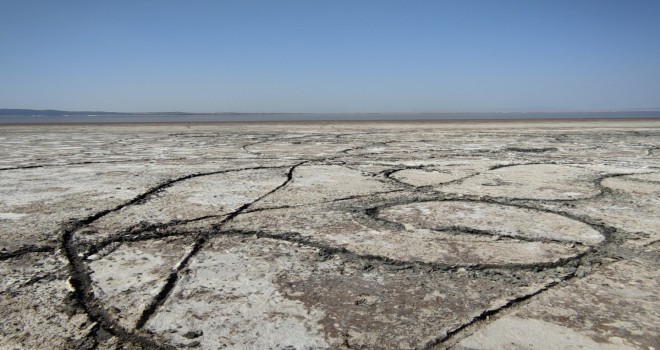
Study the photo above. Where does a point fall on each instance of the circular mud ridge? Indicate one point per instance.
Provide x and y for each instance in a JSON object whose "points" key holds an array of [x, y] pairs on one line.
{"points": [[530, 181], [500, 220], [475, 233]]}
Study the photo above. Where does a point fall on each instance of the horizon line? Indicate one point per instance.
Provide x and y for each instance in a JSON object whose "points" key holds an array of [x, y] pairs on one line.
{"points": [[339, 113]]}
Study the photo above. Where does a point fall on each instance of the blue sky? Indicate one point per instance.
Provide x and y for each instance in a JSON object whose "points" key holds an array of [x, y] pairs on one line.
{"points": [[330, 56]]}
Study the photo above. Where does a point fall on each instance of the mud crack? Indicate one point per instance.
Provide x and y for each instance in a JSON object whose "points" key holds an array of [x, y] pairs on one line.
{"points": [[80, 278], [4, 255], [200, 241]]}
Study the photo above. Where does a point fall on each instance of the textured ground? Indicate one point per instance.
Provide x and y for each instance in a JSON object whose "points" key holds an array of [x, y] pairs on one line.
{"points": [[517, 235]]}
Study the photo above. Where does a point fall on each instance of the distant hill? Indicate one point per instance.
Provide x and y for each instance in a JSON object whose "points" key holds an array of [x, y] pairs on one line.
{"points": [[50, 112], [54, 112], [624, 114]]}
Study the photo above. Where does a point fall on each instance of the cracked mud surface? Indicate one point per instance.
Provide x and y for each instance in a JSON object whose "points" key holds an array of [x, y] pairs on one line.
{"points": [[330, 235]]}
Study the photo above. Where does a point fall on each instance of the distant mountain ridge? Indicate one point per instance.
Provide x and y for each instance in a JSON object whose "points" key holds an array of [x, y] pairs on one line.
{"points": [[629, 113], [55, 112], [50, 112]]}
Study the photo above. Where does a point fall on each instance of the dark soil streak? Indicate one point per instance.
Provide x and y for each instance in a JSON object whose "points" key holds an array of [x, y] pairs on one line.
{"points": [[531, 150], [200, 242], [485, 315], [37, 166], [295, 237], [606, 231], [81, 282], [464, 230], [388, 175], [80, 278], [140, 232], [26, 250]]}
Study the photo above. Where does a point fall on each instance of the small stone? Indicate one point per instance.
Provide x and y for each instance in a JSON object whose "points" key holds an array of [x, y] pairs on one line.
{"points": [[193, 334]]}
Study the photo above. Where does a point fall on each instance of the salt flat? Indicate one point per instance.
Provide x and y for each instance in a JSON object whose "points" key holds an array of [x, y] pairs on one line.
{"points": [[342, 235]]}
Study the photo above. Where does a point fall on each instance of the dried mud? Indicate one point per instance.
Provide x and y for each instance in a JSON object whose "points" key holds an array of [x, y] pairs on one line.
{"points": [[342, 236]]}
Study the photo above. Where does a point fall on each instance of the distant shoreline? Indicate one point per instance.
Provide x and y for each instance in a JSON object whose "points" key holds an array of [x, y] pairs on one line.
{"points": [[324, 117], [338, 121]]}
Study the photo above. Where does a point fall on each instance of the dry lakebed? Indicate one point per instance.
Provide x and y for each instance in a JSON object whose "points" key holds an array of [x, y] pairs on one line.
{"points": [[331, 235]]}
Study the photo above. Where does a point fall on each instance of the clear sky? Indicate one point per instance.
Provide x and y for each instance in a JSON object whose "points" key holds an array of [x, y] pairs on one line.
{"points": [[330, 56]]}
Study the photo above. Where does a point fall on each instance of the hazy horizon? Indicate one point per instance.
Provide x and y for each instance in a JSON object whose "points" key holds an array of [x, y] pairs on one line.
{"points": [[558, 111], [49, 117], [330, 57]]}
